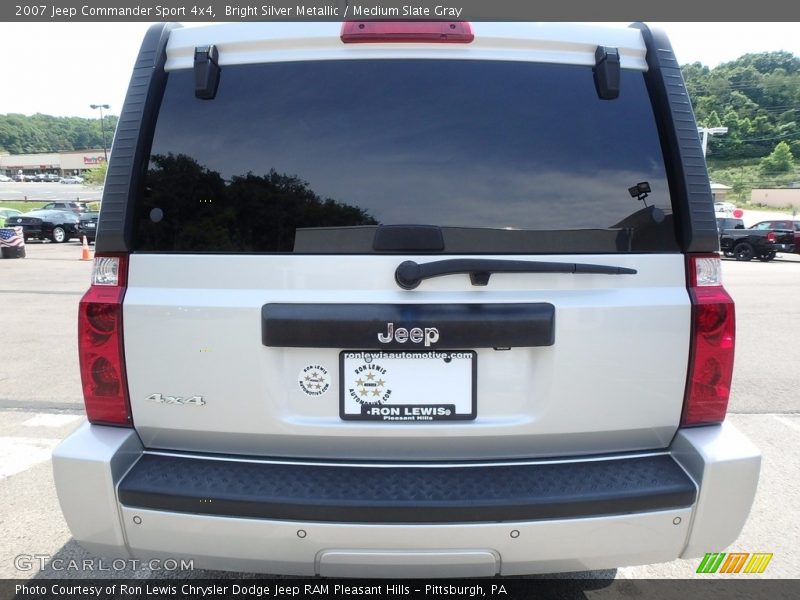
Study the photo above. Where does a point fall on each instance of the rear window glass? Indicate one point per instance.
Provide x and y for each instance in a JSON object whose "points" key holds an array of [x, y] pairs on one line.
{"points": [[730, 224], [315, 157]]}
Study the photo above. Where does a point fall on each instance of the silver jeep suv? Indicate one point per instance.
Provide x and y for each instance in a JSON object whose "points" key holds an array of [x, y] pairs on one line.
{"points": [[406, 299]]}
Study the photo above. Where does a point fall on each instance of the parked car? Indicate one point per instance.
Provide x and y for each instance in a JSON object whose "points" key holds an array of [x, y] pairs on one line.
{"points": [[56, 225], [782, 225], [47, 177], [724, 208], [490, 336], [89, 225], [23, 178], [747, 244], [5, 213], [71, 179], [5, 178], [77, 207]]}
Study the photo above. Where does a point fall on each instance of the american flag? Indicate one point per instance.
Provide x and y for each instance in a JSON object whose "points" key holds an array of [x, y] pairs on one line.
{"points": [[11, 237]]}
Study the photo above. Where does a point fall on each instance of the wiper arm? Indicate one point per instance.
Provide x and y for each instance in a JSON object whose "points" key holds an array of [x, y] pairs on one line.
{"points": [[409, 274]]}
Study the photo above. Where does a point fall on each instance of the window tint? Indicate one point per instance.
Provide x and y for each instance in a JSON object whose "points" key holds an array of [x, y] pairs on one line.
{"points": [[316, 156], [725, 223]]}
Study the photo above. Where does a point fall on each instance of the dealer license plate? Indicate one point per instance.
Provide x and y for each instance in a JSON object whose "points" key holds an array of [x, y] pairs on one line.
{"points": [[414, 386]]}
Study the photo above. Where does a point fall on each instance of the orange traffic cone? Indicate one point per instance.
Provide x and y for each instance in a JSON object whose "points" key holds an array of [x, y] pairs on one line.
{"points": [[86, 253]]}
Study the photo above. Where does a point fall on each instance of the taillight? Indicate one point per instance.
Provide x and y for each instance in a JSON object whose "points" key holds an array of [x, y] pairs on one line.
{"points": [[442, 32], [102, 359], [712, 343], [771, 236]]}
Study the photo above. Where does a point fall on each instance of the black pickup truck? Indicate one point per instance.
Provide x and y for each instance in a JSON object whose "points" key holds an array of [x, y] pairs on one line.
{"points": [[745, 244]]}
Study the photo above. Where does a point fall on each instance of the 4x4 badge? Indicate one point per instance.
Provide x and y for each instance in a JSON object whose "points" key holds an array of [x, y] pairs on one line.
{"points": [[415, 335], [162, 399]]}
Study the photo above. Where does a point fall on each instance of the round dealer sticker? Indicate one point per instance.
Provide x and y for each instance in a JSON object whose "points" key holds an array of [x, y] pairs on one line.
{"points": [[314, 380]]}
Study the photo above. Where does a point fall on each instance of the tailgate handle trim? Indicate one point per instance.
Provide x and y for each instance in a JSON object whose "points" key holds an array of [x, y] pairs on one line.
{"points": [[364, 326], [409, 274]]}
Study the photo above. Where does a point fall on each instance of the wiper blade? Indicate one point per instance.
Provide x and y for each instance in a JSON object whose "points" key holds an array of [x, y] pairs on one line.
{"points": [[409, 274]]}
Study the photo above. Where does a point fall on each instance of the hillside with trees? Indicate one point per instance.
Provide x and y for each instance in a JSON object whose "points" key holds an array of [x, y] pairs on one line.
{"points": [[757, 97], [20, 134]]}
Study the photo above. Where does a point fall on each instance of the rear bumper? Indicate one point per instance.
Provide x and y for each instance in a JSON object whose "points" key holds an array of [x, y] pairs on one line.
{"points": [[444, 520], [406, 494]]}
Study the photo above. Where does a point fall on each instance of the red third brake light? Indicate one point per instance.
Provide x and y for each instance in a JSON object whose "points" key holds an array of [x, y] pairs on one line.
{"points": [[712, 344], [105, 385], [442, 32]]}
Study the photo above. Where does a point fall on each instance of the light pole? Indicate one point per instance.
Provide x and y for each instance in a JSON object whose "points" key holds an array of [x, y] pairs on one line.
{"points": [[706, 131], [103, 126]]}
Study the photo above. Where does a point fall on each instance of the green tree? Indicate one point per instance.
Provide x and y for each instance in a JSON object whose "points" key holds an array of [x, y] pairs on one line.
{"points": [[713, 120], [97, 176], [20, 134], [779, 161], [766, 62], [740, 187], [756, 96]]}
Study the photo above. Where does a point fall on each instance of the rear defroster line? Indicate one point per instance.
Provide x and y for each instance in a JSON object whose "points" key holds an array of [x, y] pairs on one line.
{"points": [[409, 274]]}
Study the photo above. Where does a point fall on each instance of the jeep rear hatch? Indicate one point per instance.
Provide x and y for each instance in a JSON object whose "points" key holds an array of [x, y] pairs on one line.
{"points": [[264, 313]]}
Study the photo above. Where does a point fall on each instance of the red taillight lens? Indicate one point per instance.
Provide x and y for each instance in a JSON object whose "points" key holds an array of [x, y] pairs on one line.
{"points": [[442, 32], [100, 349], [101, 318], [771, 236], [712, 343]]}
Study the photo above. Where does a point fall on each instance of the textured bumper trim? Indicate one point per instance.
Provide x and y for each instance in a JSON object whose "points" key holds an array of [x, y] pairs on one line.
{"points": [[371, 494]]}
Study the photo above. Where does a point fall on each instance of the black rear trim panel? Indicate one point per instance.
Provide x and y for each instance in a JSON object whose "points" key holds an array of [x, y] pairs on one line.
{"points": [[680, 142], [129, 154], [357, 325], [406, 494]]}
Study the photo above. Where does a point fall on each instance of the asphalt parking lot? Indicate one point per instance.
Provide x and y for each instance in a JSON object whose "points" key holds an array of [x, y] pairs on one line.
{"points": [[48, 192], [40, 403]]}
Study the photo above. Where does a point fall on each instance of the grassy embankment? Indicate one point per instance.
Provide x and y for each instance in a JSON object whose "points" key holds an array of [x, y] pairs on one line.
{"points": [[744, 175], [26, 206]]}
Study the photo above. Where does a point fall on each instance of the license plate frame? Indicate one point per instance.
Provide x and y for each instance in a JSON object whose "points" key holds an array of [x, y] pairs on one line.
{"points": [[400, 408]]}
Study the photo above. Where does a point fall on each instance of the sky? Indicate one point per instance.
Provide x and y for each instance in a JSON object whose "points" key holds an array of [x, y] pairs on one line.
{"points": [[62, 68]]}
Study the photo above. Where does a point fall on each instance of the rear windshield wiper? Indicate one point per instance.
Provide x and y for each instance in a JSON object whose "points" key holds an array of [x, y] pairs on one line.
{"points": [[409, 274]]}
